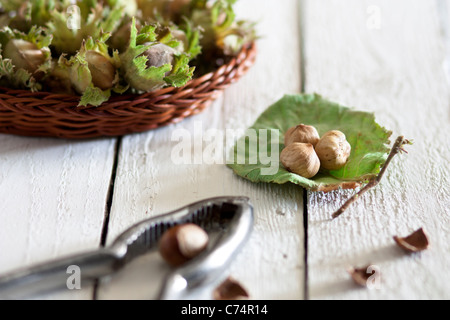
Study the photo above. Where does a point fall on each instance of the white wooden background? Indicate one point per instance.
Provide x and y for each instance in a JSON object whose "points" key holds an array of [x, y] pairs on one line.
{"points": [[387, 57]]}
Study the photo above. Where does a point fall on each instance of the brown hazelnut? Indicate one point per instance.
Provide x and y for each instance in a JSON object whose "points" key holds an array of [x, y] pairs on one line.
{"points": [[24, 55], [102, 70], [333, 150], [300, 158], [303, 134], [182, 243]]}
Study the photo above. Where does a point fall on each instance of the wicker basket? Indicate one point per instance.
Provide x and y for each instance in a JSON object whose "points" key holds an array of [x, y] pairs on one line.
{"points": [[45, 114]]}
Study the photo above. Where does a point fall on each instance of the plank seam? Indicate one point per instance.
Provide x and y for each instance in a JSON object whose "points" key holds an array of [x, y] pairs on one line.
{"points": [[301, 27], [108, 206], [110, 195]]}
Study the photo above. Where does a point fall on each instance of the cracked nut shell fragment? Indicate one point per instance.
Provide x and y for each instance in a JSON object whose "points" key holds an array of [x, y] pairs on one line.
{"points": [[360, 275], [230, 289], [416, 242]]}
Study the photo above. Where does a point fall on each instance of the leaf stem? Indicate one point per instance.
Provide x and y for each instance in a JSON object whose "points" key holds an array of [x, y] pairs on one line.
{"points": [[396, 149]]}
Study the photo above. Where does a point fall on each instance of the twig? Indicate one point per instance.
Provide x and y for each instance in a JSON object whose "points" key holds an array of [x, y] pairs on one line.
{"points": [[396, 149]]}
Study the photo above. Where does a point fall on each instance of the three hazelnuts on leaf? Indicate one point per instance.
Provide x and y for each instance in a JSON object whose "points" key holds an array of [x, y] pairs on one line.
{"points": [[306, 152]]}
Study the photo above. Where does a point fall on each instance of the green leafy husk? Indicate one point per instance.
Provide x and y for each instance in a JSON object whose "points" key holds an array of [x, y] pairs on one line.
{"points": [[220, 27], [31, 13], [95, 19], [369, 142], [175, 25], [143, 77], [80, 72], [19, 77]]}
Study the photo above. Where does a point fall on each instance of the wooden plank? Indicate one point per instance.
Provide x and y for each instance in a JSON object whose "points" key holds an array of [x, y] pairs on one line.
{"points": [[148, 183], [385, 57], [52, 200], [443, 7]]}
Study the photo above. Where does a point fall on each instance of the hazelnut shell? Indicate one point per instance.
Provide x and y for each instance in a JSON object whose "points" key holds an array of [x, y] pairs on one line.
{"points": [[301, 159], [333, 150], [182, 243], [416, 242], [102, 70], [302, 134]]}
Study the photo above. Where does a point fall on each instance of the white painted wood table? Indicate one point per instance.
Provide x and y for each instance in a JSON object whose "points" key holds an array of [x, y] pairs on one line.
{"points": [[392, 58]]}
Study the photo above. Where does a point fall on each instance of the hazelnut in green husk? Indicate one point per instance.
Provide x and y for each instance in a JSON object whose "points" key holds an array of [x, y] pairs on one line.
{"points": [[25, 57]]}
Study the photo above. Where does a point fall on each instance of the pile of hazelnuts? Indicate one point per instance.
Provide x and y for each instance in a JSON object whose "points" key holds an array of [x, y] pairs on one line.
{"points": [[306, 152]]}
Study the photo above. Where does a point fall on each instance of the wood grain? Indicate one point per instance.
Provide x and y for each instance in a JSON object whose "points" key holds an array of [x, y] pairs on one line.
{"points": [[386, 57], [148, 183], [52, 200], [395, 69]]}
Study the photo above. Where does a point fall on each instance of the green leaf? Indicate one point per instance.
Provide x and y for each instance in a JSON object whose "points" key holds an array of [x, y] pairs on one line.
{"points": [[193, 36], [181, 72], [368, 140], [16, 78], [147, 34], [223, 8], [94, 96], [6, 67], [40, 10]]}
